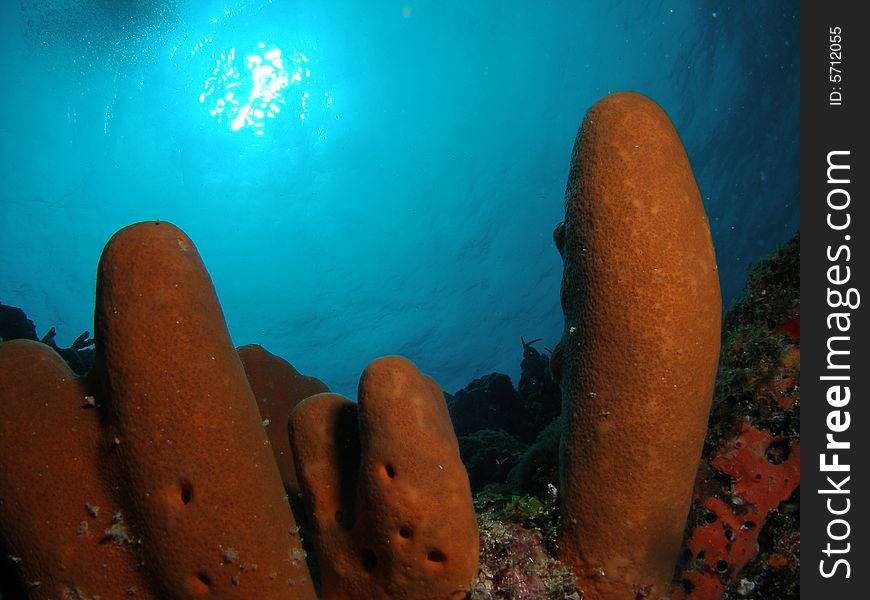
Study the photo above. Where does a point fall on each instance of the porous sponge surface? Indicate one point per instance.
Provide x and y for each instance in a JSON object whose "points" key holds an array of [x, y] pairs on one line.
{"points": [[388, 495], [638, 357]]}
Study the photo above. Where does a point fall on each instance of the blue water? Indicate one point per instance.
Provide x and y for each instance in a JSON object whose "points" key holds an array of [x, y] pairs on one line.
{"points": [[407, 206]]}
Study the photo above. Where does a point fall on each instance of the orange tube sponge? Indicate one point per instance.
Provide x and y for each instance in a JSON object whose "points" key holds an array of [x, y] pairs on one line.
{"points": [[58, 519], [278, 388], [386, 491], [638, 357], [200, 483]]}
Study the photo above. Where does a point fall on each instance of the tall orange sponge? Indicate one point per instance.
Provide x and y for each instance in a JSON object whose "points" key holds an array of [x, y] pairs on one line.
{"points": [[637, 361], [197, 477], [386, 492]]}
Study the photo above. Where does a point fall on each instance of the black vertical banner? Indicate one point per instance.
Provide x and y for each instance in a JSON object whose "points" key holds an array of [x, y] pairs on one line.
{"points": [[835, 363]]}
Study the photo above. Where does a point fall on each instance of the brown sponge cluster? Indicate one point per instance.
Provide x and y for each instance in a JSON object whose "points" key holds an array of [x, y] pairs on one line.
{"points": [[157, 476], [386, 492], [174, 454], [637, 361]]}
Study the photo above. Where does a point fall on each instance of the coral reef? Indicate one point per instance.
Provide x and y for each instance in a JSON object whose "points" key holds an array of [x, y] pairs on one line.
{"points": [[517, 539], [743, 537], [387, 496], [637, 361], [515, 565], [501, 428], [491, 402], [171, 455]]}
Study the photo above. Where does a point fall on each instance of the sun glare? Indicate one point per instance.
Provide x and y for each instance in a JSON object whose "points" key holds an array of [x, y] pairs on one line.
{"points": [[246, 93]]}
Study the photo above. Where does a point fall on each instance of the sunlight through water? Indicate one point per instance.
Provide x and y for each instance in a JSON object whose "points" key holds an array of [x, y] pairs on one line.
{"points": [[246, 92]]}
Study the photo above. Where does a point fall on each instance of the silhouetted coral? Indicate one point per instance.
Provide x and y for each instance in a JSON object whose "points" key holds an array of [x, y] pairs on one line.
{"points": [[490, 402], [489, 455], [538, 467], [496, 423], [14, 325], [539, 394]]}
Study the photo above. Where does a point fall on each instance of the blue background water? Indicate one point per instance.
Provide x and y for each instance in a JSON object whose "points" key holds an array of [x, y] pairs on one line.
{"points": [[411, 215]]}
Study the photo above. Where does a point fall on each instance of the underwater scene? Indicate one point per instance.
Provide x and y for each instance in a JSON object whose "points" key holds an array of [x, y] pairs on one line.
{"points": [[399, 300]]}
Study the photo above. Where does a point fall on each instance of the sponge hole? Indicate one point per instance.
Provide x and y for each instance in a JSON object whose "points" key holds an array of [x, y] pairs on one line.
{"points": [[186, 492], [344, 520], [390, 471], [436, 556], [777, 453], [200, 584], [369, 560], [405, 533]]}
